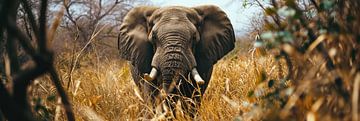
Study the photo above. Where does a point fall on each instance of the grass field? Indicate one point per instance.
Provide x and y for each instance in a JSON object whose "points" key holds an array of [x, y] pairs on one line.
{"points": [[102, 88]]}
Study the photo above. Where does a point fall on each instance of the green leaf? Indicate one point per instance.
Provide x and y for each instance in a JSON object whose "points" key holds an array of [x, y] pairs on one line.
{"points": [[245, 3], [267, 35], [258, 44], [322, 31], [286, 11], [327, 4], [286, 35]]}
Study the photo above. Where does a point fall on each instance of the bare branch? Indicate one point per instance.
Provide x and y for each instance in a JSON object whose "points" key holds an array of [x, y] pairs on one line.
{"points": [[17, 105], [62, 93], [275, 18], [31, 17], [42, 22], [10, 110]]}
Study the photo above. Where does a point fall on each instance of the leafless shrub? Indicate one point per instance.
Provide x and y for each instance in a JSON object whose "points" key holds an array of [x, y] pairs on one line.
{"points": [[14, 103]]}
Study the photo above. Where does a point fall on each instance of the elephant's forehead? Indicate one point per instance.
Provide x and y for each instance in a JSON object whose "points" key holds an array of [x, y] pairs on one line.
{"points": [[176, 12], [174, 9]]}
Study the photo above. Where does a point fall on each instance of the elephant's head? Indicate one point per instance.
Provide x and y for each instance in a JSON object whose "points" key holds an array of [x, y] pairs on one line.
{"points": [[168, 43]]}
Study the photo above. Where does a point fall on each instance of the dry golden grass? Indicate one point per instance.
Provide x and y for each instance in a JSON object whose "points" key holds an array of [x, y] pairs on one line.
{"points": [[102, 88], [248, 84]]}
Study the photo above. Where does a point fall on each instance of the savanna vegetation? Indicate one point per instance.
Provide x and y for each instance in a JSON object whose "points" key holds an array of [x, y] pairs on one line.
{"points": [[299, 61]]}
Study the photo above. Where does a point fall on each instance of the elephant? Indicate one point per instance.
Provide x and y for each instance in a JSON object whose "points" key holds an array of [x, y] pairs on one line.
{"points": [[174, 48]]}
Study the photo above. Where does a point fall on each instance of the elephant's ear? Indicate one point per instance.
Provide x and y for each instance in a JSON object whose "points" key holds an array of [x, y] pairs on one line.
{"points": [[133, 43], [216, 34]]}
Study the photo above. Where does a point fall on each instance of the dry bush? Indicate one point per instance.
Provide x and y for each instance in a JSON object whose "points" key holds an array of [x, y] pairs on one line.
{"points": [[319, 39]]}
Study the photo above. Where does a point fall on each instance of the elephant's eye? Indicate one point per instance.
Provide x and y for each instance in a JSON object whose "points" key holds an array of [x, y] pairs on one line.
{"points": [[153, 36], [150, 24], [198, 25]]}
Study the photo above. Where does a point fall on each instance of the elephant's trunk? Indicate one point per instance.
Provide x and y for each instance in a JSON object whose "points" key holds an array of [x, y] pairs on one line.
{"points": [[172, 68], [177, 60]]}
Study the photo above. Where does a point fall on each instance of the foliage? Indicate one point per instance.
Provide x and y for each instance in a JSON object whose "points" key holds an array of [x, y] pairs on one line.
{"points": [[319, 39]]}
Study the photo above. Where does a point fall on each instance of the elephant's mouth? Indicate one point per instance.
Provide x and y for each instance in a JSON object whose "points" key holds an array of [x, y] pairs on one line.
{"points": [[154, 73]]}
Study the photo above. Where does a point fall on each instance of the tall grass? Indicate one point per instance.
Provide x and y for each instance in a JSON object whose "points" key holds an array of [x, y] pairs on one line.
{"points": [[104, 90]]}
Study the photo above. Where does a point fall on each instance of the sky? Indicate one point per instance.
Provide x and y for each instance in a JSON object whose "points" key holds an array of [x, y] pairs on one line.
{"points": [[239, 16]]}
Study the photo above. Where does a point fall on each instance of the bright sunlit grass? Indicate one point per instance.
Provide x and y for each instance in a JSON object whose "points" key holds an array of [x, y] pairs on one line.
{"points": [[104, 90]]}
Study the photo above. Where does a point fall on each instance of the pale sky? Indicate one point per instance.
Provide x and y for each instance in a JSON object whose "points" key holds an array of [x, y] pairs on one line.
{"points": [[239, 16]]}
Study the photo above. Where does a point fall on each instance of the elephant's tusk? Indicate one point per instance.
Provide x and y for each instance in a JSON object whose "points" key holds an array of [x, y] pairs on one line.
{"points": [[151, 76], [197, 77]]}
